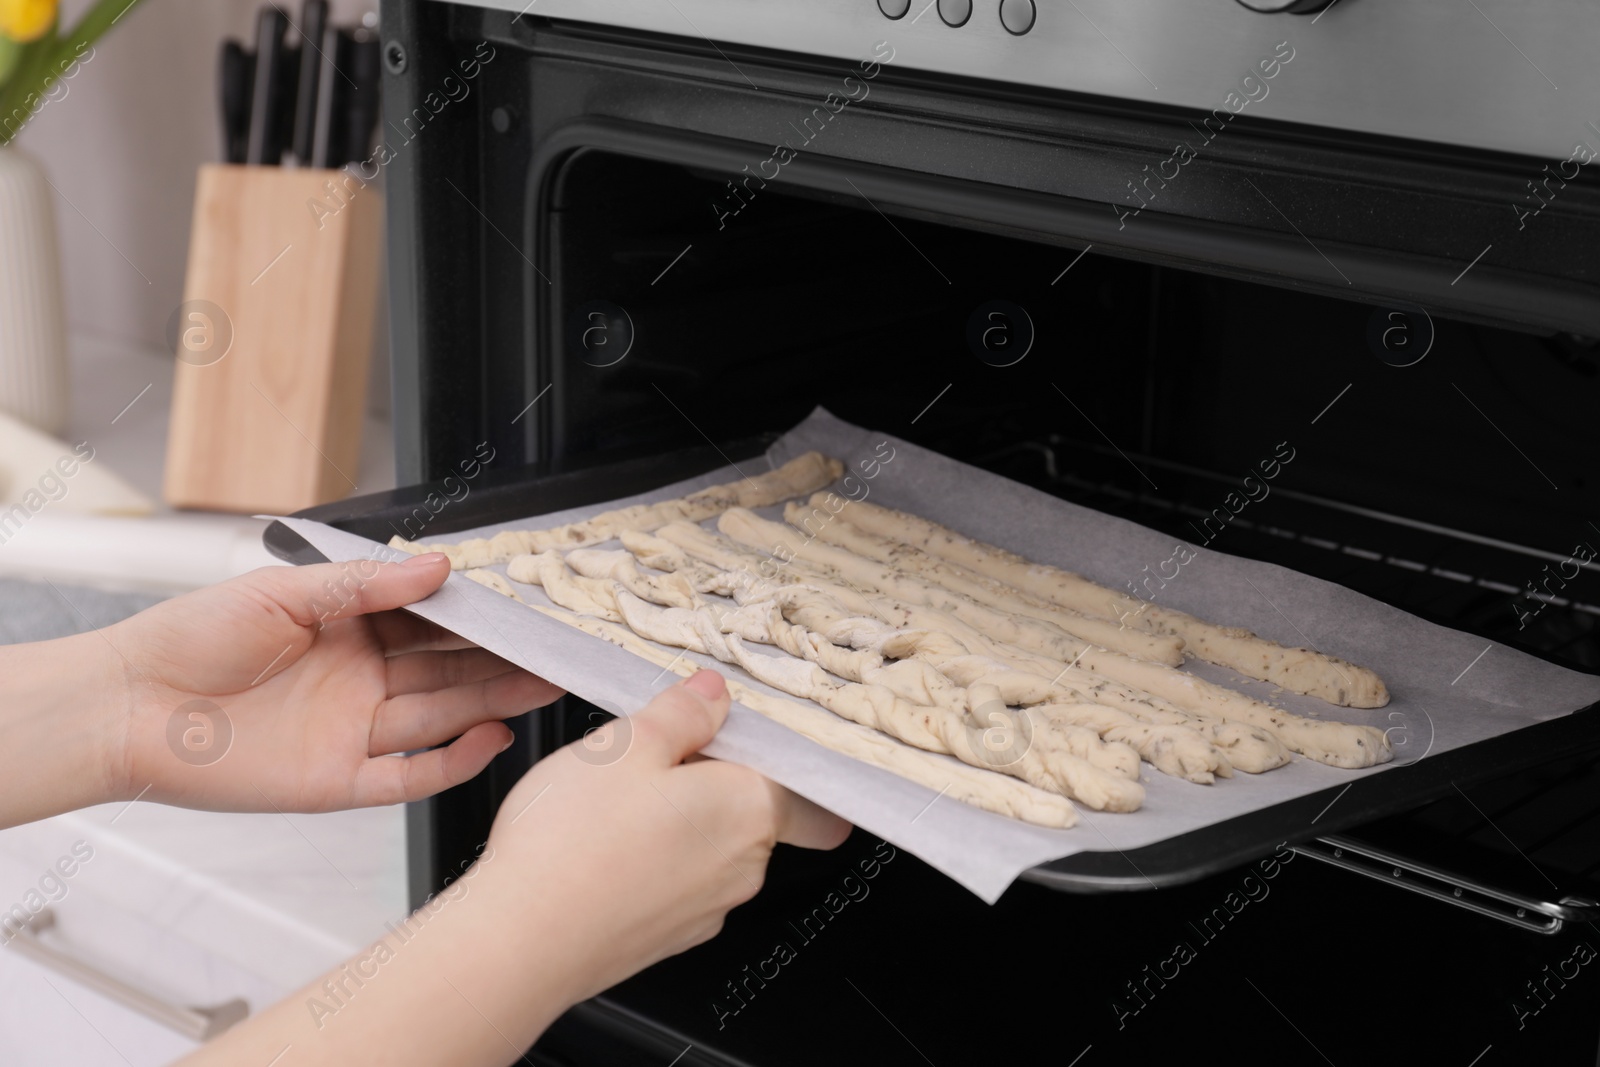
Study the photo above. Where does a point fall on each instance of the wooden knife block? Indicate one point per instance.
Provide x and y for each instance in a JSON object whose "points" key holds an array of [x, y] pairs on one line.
{"points": [[289, 267]]}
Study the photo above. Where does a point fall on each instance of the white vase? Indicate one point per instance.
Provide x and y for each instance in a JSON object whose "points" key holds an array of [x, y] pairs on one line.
{"points": [[34, 381]]}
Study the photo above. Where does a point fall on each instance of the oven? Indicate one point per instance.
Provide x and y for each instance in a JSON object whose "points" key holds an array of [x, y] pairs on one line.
{"points": [[1119, 252]]}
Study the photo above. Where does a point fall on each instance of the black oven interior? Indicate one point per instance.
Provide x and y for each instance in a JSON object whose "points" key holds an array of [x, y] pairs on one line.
{"points": [[590, 185]]}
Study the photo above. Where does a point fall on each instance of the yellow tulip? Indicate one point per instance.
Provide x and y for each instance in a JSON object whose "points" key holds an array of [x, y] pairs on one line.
{"points": [[26, 20]]}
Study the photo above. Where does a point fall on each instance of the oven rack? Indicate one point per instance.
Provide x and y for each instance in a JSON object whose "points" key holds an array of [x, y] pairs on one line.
{"points": [[1455, 577], [1146, 499]]}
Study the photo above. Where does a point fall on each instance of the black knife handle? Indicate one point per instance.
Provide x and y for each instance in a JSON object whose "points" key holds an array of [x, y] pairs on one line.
{"points": [[313, 20], [266, 120], [326, 131], [234, 68]]}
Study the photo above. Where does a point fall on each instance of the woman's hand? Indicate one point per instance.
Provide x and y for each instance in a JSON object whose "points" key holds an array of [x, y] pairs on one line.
{"points": [[649, 846], [290, 689], [597, 867]]}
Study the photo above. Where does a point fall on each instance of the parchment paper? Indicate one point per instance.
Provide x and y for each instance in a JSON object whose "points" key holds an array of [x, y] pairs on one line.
{"points": [[1448, 689]]}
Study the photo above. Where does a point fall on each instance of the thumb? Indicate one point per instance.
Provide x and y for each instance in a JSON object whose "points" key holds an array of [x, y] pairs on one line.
{"points": [[681, 720], [323, 592]]}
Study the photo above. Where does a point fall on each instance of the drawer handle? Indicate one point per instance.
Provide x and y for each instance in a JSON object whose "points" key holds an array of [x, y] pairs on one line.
{"points": [[197, 1024]]}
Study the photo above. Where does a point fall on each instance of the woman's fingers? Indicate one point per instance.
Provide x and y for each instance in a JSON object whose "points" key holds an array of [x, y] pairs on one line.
{"points": [[682, 719], [400, 779], [804, 824], [416, 720], [325, 592], [421, 672]]}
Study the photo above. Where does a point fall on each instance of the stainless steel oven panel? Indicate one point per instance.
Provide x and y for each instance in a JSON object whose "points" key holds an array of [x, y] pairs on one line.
{"points": [[1491, 74]]}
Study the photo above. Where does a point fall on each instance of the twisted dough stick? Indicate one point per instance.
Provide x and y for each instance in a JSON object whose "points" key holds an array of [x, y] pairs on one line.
{"points": [[668, 590], [975, 625], [1062, 764], [1123, 682], [1049, 765], [493, 580], [1334, 743], [1049, 759], [1168, 743], [920, 685], [587, 596], [598, 597], [981, 789], [752, 530], [1027, 680], [915, 681], [801, 475], [818, 523], [1299, 670], [926, 678], [1174, 741]]}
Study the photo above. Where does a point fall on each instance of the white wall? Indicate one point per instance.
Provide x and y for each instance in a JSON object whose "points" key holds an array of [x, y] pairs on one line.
{"points": [[122, 148]]}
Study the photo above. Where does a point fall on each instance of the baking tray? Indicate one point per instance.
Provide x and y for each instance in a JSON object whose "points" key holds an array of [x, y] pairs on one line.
{"points": [[505, 495]]}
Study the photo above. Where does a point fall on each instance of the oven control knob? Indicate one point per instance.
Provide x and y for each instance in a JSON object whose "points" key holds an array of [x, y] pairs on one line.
{"points": [[1292, 7], [895, 9], [1017, 16], [955, 12]]}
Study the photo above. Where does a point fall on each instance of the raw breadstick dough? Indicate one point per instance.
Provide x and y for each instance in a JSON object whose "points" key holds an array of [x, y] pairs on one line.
{"points": [[587, 596], [1048, 761], [1174, 741], [495, 581], [1236, 745], [1334, 743], [1043, 761], [848, 663], [1192, 695], [1173, 748], [969, 631], [979, 788], [817, 605], [1337, 744], [669, 590], [801, 475], [752, 530], [1247, 748], [902, 557], [911, 680], [663, 555], [1299, 670]]}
